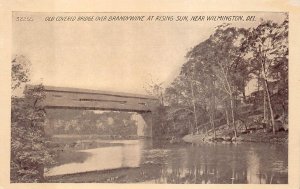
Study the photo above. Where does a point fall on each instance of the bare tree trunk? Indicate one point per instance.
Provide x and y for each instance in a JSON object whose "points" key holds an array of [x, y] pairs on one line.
{"points": [[265, 105], [244, 96], [212, 123], [213, 113], [194, 106], [212, 105], [190, 126], [283, 113], [270, 105], [232, 115], [162, 99], [257, 83], [268, 95], [230, 93], [227, 116]]}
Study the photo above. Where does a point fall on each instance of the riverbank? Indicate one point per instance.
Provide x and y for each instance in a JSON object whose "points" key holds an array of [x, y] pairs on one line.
{"points": [[258, 136], [122, 175]]}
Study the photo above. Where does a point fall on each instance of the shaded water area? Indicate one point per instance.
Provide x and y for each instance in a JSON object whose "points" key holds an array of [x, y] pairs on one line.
{"points": [[148, 161]]}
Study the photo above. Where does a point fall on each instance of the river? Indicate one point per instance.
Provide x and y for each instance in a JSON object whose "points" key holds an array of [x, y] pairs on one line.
{"points": [[148, 161]]}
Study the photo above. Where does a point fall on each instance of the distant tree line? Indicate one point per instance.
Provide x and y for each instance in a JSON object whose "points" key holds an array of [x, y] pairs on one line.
{"points": [[61, 121]]}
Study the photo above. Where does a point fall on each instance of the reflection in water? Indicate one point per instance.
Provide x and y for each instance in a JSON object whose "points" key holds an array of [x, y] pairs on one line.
{"points": [[253, 168], [185, 163], [102, 159]]}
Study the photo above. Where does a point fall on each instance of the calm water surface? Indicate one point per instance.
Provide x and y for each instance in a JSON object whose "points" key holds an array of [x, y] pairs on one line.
{"points": [[255, 163]]}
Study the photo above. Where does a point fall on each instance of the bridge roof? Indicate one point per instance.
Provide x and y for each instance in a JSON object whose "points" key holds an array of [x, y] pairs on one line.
{"points": [[91, 91]]}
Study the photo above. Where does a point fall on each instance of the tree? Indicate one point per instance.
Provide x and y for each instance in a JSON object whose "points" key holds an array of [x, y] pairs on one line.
{"points": [[29, 152], [19, 71], [227, 57], [267, 46], [155, 89], [180, 101], [217, 71], [183, 96], [217, 60]]}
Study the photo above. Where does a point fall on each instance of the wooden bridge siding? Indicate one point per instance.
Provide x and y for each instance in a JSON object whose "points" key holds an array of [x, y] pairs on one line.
{"points": [[59, 99]]}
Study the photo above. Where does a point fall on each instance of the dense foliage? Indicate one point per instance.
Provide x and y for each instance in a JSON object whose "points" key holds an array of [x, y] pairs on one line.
{"points": [[29, 152]]}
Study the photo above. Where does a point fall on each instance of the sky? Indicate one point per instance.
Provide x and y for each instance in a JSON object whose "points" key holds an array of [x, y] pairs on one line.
{"points": [[120, 56]]}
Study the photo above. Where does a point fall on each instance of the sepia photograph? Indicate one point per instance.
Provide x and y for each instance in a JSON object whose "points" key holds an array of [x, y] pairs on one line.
{"points": [[150, 97]]}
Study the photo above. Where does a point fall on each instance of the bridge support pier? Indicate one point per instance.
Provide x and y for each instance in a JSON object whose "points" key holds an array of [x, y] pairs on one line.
{"points": [[148, 118]]}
